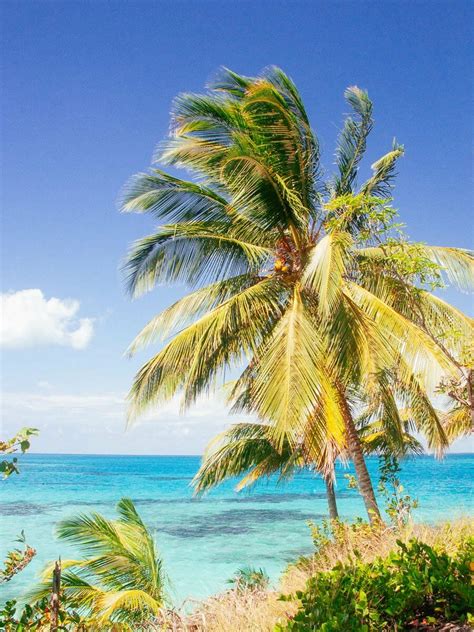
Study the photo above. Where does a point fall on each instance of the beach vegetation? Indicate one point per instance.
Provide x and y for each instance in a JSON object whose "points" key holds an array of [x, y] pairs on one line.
{"points": [[413, 584], [37, 617], [19, 557], [19, 443], [433, 564], [398, 504]]}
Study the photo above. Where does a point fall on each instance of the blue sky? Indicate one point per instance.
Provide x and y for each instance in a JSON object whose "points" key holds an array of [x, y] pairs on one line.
{"points": [[87, 88]]}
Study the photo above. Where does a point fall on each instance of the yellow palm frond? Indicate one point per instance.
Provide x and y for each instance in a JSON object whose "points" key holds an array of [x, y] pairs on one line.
{"points": [[183, 312], [290, 378], [457, 263], [195, 354], [118, 605], [324, 273], [458, 422], [420, 352]]}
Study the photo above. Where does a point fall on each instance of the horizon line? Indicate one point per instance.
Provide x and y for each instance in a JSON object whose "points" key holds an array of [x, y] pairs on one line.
{"points": [[32, 453]]}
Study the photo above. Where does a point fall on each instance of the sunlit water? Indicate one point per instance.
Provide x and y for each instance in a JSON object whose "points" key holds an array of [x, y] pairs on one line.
{"points": [[202, 541]]}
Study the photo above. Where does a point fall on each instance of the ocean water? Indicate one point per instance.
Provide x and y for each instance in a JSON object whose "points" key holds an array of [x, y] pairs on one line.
{"points": [[203, 541]]}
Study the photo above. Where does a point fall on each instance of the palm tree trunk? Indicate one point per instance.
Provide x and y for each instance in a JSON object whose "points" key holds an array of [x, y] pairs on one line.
{"points": [[54, 621], [470, 395], [363, 478], [355, 448], [331, 496]]}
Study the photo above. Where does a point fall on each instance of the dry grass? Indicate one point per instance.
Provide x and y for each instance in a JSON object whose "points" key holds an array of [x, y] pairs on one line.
{"points": [[259, 611], [371, 543]]}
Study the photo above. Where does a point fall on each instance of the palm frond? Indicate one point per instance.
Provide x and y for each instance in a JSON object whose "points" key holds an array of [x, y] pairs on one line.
{"points": [[420, 411], [77, 591], [185, 310], [310, 150], [375, 440], [191, 253], [290, 379], [420, 352], [173, 200], [256, 188], [281, 139], [324, 273], [458, 422], [117, 606], [380, 184], [357, 347], [195, 355], [203, 129], [244, 449], [230, 82], [94, 533], [457, 264], [352, 140]]}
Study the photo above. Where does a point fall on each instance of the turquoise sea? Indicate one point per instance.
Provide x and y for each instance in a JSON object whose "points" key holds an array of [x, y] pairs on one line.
{"points": [[203, 541]]}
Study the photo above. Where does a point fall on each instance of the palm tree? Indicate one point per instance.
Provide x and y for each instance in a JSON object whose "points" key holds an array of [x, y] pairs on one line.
{"points": [[301, 281], [248, 450], [120, 578]]}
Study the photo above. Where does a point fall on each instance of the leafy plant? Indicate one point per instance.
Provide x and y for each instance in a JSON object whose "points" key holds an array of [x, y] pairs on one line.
{"points": [[37, 617], [20, 442], [329, 536], [398, 504], [414, 583], [17, 559]]}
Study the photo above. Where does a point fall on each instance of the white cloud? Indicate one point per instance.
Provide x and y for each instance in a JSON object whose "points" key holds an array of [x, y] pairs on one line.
{"points": [[28, 319], [88, 422], [44, 384], [90, 408]]}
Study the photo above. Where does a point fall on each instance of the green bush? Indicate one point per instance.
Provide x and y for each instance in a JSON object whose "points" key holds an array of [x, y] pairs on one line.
{"points": [[37, 617], [413, 583]]}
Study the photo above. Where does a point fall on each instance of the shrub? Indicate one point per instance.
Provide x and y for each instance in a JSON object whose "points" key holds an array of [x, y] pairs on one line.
{"points": [[36, 617], [415, 582]]}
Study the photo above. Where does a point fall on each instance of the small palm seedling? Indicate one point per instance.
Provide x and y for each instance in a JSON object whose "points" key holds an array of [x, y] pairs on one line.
{"points": [[120, 578], [248, 578]]}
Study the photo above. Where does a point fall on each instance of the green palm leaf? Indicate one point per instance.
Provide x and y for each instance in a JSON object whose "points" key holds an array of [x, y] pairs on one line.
{"points": [[190, 253], [352, 140], [170, 199], [380, 184]]}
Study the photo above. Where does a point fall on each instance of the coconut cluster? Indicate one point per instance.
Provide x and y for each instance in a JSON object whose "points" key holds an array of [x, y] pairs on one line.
{"points": [[281, 265]]}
